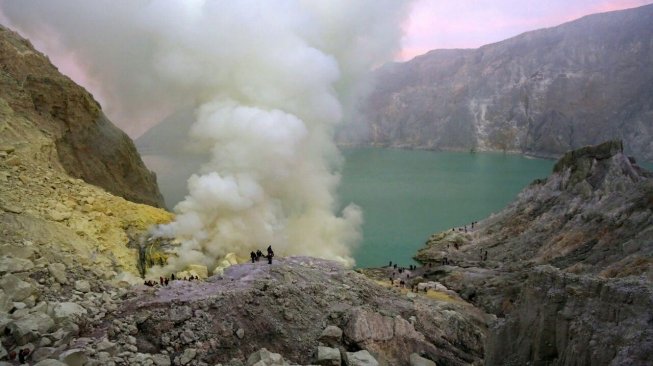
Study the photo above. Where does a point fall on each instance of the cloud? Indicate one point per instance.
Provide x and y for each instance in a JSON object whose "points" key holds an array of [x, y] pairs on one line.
{"points": [[270, 80]]}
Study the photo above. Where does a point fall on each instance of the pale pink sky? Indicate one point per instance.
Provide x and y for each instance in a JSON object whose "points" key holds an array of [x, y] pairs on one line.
{"points": [[434, 24]]}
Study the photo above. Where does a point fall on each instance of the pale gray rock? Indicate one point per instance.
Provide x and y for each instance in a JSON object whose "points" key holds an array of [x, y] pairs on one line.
{"points": [[331, 336], [43, 353], [368, 325], [5, 302], [328, 356], [16, 288], [106, 346], [82, 286], [161, 360], [64, 310], [73, 357], [12, 265], [417, 360], [361, 358], [263, 357], [30, 327], [58, 272], [240, 333], [188, 355]]}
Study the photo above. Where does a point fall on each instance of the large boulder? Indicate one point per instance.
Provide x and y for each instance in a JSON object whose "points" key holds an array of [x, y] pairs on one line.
{"points": [[16, 288], [65, 310], [58, 272], [331, 336], [30, 327], [328, 356], [11, 264], [360, 358], [73, 357], [263, 357]]}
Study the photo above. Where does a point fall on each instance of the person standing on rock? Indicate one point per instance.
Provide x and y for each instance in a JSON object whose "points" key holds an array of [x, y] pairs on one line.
{"points": [[253, 256], [269, 256]]}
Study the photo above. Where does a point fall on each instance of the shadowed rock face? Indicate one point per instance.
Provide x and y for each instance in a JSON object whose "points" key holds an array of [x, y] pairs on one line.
{"points": [[541, 93], [88, 145], [569, 266]]}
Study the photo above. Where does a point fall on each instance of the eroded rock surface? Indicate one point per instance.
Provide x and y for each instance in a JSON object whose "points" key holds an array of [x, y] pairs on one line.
{"points": [[567, 267]]}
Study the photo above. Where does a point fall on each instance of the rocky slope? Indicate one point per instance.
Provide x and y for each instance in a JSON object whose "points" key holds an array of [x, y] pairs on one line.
{"points": [[541, 93], [81, 140], [567, 267]]}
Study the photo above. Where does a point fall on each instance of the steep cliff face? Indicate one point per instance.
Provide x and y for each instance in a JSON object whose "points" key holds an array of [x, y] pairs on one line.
{"points": [[567, 267], [86, 144], [542, 93]]}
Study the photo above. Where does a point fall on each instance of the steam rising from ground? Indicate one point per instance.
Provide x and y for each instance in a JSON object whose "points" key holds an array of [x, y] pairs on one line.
{"points": [[270, 80]]}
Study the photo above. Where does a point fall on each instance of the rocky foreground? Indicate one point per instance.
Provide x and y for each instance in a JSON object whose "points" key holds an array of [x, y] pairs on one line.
{"points": [[304, 310]]}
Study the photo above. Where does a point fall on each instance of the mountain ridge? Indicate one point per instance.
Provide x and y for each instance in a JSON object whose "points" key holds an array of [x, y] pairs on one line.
{"points": [[541, 93]]}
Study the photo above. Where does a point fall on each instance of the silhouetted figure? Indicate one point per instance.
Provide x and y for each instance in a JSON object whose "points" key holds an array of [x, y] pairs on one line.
{"points": [[472, 225], [161, 280], [165, 281], [407, 275], [395, 266], [253, 256], [269, 256], [392, 281], [259, 254], [172, 277], [22, 354], [390, 264], [270, 249]]}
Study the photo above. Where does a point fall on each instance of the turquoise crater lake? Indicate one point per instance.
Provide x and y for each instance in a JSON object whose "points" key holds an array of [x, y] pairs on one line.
{"points": [[406, 195]]}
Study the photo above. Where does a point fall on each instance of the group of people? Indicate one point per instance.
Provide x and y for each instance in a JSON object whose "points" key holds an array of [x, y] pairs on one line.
{"points": [[464, 228], [22, 355], [164, 281], [256, 256]]}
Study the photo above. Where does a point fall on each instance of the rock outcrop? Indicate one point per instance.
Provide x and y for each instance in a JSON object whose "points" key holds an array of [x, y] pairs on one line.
{"points": [[567, 267], [541, 93], [75, 135]]}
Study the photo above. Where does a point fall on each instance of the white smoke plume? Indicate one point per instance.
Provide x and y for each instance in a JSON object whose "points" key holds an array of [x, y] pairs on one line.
{"points": [[269, 80]]}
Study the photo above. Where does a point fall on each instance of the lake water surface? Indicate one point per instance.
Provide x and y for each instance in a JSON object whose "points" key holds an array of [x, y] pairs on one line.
{"points": [[406, 195]]}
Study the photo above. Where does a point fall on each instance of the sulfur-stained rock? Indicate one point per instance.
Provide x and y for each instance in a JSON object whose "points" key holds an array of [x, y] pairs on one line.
{"points": [[16, 288], [12, 265]]}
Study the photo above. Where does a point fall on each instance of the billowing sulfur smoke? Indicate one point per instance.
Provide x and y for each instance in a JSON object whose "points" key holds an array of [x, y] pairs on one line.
{"points": [[269, 80]]}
